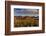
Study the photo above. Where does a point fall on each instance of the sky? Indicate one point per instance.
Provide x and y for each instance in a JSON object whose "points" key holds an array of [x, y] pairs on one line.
{"points": [[25, 12]]}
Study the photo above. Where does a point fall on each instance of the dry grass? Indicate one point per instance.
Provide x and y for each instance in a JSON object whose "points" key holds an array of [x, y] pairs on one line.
{"points": [[28, 21]]}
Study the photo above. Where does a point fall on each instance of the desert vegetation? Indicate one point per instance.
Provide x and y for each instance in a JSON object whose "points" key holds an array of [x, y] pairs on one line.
{"points": [[25, 21]]}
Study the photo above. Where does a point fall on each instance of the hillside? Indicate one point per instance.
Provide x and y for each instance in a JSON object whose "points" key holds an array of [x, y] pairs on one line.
{"points": [[25, 21]]}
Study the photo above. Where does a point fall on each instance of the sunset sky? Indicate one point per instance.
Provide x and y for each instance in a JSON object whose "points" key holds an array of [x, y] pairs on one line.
{"points": [[26, 12]]}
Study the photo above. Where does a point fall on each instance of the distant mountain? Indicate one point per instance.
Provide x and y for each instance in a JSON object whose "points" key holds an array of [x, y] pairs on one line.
{"points": [[26, 17]]}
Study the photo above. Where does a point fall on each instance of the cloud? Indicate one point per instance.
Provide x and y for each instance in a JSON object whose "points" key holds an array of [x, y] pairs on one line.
{"points": [[26, 12]]}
